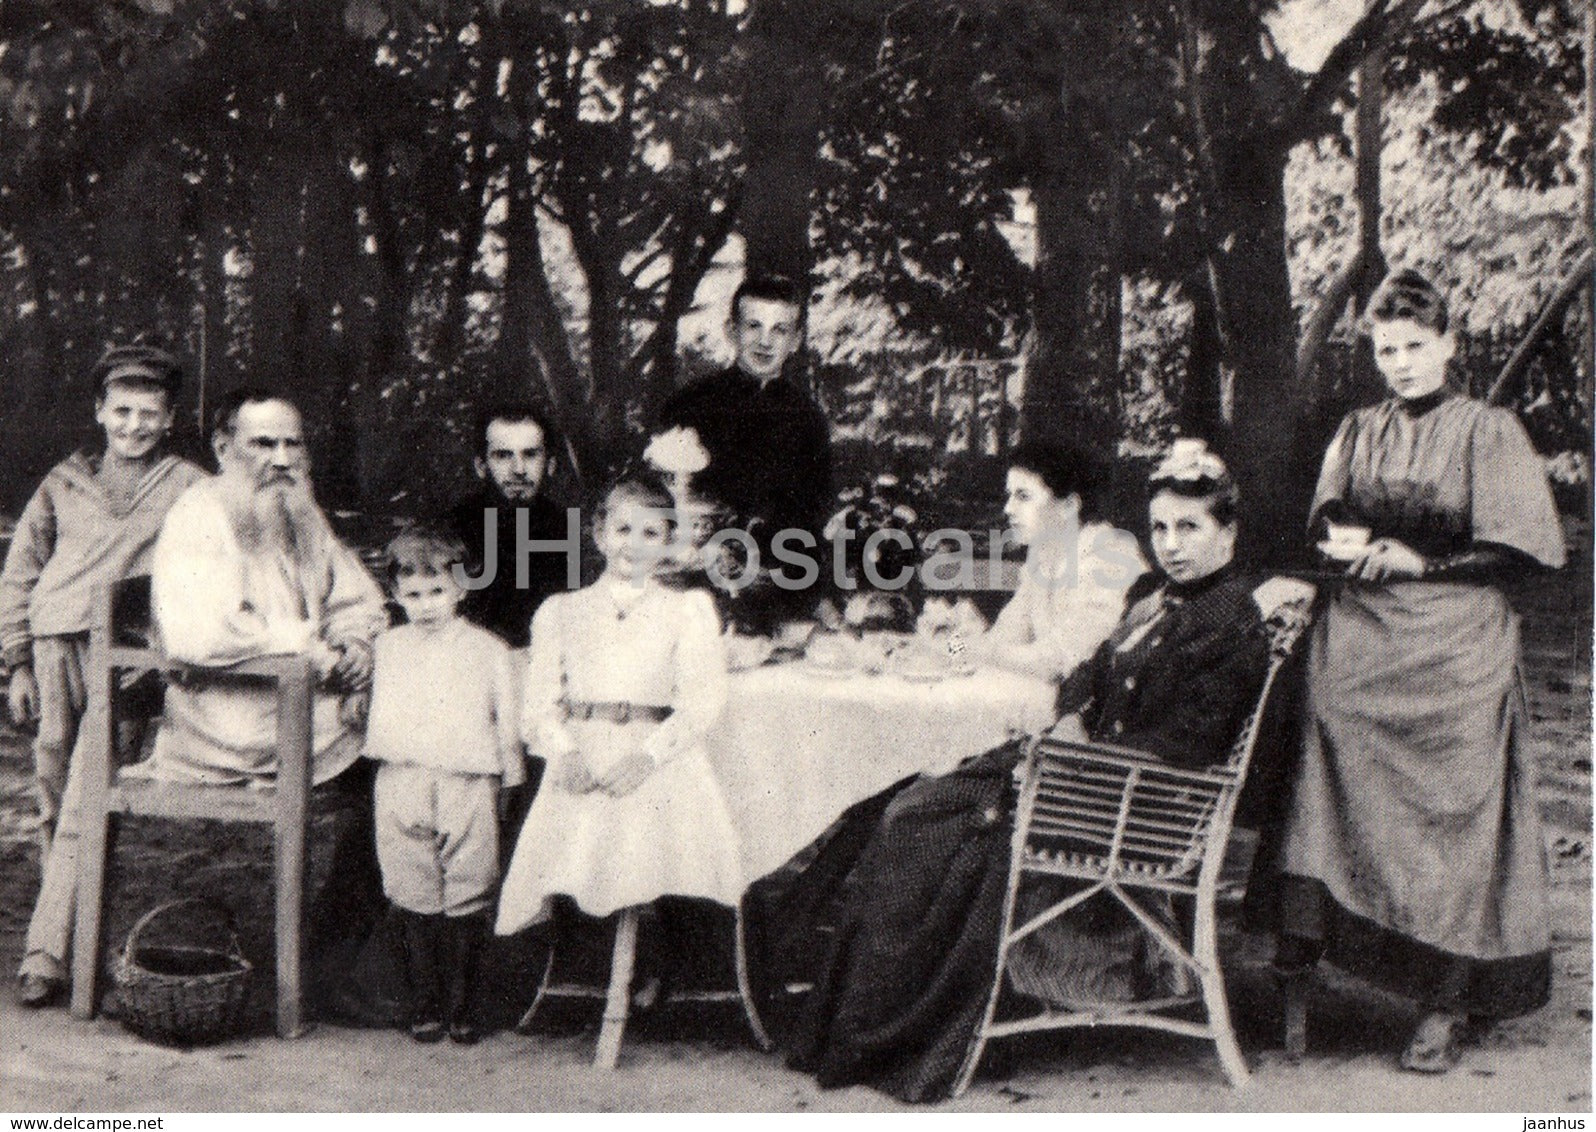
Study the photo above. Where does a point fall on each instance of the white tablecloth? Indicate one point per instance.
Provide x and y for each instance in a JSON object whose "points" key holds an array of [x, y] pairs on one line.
{"points": [[795, 749]]}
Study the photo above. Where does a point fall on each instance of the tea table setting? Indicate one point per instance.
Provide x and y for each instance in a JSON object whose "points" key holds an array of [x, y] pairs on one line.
{"points": [[818, 720]]}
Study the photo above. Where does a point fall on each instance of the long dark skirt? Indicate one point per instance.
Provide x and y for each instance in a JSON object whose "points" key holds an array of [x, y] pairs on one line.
{"points": [[902, 983], [1413, 850]]}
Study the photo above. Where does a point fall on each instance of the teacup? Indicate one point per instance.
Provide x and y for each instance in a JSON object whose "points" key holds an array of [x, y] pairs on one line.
{"points": [[1347, 536]]}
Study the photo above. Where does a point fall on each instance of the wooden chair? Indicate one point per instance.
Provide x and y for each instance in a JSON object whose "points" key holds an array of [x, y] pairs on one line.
{"points": [[617, 996], [1118, 822], [107, 793]]}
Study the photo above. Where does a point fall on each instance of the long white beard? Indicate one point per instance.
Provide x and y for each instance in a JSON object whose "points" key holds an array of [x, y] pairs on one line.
{"points": [[280, 518]]}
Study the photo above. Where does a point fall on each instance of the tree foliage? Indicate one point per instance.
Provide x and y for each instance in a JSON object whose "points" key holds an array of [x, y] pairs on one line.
{"points": [[394, 208], [1509, 78]]}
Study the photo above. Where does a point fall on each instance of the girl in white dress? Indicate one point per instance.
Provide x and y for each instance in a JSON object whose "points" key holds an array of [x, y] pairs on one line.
{"points": [[625, 678]]}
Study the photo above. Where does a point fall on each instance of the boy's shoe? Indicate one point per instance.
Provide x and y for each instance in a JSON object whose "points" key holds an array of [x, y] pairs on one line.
{"points": [[36, 991], [429, 1031], [465, 935]]}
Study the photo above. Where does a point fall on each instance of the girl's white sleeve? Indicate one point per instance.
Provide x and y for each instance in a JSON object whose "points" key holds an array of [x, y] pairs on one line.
{"points": [[541, 724], [1012, 626], [1086, 617], [506, 719], [701, 681]]}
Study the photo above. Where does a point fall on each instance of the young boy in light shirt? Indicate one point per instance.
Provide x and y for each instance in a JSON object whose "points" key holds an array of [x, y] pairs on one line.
{"points": [[444, 725]]}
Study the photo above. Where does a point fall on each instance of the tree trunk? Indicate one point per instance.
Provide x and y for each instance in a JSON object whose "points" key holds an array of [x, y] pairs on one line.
{"points": [[276, 309], [45, 413], [607, 368], [132, 291], [702, 233], [215, 369], [532, 337], [1255, 300], [46, 320], [782, 113], [1370, 133], [1243, 141], [1370, 141], [1072, 377], [473, 195], [1200, 399], [381, 336], [330, 277], [1242, 182]]}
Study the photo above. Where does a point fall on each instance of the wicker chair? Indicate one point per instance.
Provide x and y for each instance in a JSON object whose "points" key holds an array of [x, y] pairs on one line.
{"points": [[107, 793], [1116, 822]]}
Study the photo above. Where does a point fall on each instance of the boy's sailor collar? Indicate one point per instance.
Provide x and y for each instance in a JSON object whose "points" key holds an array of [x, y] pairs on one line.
{"points": [[82, 470]]}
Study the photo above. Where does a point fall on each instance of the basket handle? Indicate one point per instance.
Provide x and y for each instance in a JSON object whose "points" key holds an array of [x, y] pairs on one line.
{"points": [[130, 948]]}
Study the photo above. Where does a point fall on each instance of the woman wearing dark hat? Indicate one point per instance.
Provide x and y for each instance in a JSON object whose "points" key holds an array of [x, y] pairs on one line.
{"points": [[1413, 855], [91, 522]]}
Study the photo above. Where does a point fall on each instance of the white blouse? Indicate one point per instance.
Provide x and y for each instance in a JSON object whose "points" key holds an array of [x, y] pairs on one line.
{"points": [[619, 642], [1070, 597]]}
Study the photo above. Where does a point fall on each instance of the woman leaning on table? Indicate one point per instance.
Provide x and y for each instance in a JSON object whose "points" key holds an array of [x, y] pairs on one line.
{"points": [[1413, 854]]}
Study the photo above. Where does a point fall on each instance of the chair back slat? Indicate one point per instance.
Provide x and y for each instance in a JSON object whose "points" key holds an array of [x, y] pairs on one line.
{"points": [[1101, 812]]}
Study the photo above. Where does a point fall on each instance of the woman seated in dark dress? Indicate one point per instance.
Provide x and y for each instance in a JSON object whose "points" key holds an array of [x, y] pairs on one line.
{"points": [[902, 983]]}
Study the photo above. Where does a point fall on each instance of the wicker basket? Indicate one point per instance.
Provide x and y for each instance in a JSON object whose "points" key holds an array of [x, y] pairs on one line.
{"points": [[182, 995]]}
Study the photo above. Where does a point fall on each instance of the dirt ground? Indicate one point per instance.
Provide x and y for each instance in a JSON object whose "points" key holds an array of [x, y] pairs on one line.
{"points": [[52, 1064]]}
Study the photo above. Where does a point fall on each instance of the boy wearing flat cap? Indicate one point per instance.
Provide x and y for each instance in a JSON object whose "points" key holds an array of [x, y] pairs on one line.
{"points": [[92, 521]]}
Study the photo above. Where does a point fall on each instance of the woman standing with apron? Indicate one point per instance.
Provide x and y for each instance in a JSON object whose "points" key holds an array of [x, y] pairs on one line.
{"points": [[1413, 853]]}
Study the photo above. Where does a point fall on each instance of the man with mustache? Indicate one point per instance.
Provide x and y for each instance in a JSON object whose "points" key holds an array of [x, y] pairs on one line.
{"points": [[245, 566], [515, 446]]}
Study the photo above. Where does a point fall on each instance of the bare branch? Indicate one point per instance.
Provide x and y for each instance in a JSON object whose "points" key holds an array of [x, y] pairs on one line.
{"points": [[1524, 352], [1325, 316], [643, 264], [1376, 28]]}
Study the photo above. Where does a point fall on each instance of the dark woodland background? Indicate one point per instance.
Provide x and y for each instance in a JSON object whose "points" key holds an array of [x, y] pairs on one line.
{"points": [[1114, 220]]}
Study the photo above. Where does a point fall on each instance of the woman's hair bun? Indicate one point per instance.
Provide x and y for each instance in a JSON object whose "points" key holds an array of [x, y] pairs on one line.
{"points": [[1408, 294]]}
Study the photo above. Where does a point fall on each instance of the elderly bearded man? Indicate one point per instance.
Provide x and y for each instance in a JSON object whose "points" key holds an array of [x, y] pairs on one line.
{"points": [[245, 566]]}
